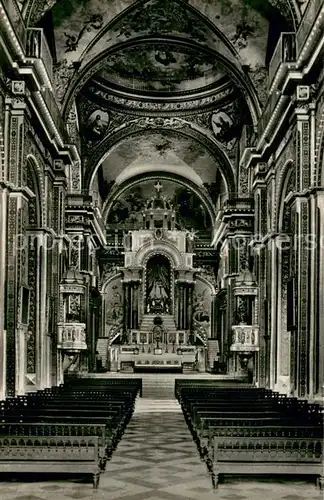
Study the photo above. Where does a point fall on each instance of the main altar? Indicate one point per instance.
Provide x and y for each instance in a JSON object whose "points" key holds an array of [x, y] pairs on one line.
{"points": [[159, 303]]}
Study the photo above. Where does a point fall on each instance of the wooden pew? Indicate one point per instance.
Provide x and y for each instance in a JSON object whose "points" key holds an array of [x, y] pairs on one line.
{"points": [[41, 429], [253, 419], [90, 410], [265, 455], [51, 454]]}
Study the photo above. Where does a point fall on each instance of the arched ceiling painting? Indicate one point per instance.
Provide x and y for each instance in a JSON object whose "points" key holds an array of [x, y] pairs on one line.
{"points": [[190, 212], [160, 151]]}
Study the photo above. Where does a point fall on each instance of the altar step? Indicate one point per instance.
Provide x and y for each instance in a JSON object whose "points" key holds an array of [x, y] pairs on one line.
{"points": [[158, 386], [168, 323], [150, 405]]}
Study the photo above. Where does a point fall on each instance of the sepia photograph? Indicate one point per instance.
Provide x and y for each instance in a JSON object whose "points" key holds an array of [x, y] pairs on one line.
{"points": [[161, 249]]}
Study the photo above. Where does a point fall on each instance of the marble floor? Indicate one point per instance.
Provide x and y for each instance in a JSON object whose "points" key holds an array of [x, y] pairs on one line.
{"points": [[155, 460]]}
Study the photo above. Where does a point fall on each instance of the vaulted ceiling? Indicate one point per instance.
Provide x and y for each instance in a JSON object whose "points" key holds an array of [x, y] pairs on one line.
{"points": [[200, 61]]}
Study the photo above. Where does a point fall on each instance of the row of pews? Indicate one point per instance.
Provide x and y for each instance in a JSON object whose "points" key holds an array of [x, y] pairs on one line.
{"points": [[71, 429], [245, 430]]}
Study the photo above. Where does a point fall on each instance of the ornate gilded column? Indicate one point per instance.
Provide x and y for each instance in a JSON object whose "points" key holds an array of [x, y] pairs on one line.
{"points": [[305, 294], [131, 284], [190, 289], [184, 295], [17, 203], [135, 305], [59, 249], [41, 330]]}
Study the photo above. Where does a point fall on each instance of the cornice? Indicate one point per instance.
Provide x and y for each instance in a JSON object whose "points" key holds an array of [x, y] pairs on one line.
{"points": [[143, 106]]}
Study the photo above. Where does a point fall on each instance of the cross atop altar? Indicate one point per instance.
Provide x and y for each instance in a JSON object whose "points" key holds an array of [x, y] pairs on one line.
{"points": [[158, 186]]}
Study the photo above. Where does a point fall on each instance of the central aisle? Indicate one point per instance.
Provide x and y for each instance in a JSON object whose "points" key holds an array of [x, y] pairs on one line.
{"points": [[157, 459]]}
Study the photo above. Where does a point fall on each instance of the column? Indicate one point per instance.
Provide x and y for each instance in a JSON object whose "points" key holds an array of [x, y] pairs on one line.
{"points": [[127, 305], [178, 305], [303, 299], [42, 367], [304, 335], [273, 289], [134, 305], [3, 264], [15, 203], [189, 312], [319, 339], [59, 190]]}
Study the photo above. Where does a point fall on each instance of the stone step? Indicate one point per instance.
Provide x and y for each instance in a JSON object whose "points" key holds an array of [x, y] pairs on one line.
{"points": [[156, 405]]}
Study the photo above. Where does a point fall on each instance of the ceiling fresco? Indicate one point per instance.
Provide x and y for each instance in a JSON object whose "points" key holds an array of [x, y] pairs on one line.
{"points": [[160, 151], [235, 29], [190, 212], [243, 22], [291, 9], [161, 67]]}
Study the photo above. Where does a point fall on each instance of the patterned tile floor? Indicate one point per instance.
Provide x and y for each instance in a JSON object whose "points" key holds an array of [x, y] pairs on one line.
{"points": [[156, 460]]}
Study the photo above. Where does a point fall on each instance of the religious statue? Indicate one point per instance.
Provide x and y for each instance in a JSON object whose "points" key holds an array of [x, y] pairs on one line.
{"points": [[158, 286], [191, 240]]}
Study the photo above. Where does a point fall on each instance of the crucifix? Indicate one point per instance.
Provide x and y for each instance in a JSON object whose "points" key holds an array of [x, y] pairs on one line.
{"points": [[158, 186]]}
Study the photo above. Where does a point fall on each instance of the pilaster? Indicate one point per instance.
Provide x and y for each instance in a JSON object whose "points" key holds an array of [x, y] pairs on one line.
{"points": [[318, 352]]}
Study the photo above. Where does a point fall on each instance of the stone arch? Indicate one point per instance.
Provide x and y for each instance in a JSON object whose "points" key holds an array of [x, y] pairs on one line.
{"points": [[182, 128], [154, 247], [129, 183], [38, 175], [283, 184], [284, 221], [209, 284], [232, 65], [109, 279]]}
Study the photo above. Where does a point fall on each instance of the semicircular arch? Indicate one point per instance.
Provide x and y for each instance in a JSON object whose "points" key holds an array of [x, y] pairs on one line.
{"points": [[208, 284], [39, 184], [232, 66], [286, 178], [157, 247], [133, 130], [138, 179]]}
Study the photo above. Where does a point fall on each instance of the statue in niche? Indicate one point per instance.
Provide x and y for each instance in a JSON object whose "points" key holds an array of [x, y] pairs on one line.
{"points": [[158, 285]]}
